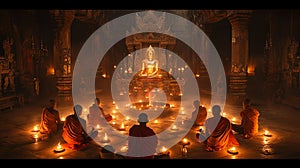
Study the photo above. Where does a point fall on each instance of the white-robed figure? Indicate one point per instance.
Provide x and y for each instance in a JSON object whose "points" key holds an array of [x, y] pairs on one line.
{"points": [[149, 65]]}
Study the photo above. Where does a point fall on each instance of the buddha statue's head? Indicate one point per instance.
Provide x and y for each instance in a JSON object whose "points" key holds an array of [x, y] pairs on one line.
{"points": [[150, 53]]}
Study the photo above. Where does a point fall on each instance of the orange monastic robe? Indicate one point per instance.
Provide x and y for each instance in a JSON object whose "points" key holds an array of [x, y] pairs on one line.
{"points": [[49, 121], [73, 131], [142, 142], [199, 115], [250, 121], [221, 136]]}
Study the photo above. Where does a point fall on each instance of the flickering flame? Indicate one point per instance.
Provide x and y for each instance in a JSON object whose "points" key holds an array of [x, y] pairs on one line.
{"points": [[127, 118], [113, 117], [140, 101], [36, 128], [122, 126], [185, 141], [104, 75], [124, 148], [114, 111], [224, 114], [156, 121], [98, 126], [232, 150], [113, 102], [63, 119], [105, 138], [163, 149], [174, 127], [197, 75], [113, 122], [267, 132], [117, 108], [59, 147]]}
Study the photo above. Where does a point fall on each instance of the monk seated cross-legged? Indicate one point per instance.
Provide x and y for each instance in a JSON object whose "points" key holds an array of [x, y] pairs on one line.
{"points": [[218, 132], [199, 114], [74, 130], [50, 121], [96, 115]]}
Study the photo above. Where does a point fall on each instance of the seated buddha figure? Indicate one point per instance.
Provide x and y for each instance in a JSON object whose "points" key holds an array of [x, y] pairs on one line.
{"points": [[149, 65]]}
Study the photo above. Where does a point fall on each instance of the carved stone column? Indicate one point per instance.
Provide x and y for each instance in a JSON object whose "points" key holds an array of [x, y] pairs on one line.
{"points": [[62, 52], [239, 55]]}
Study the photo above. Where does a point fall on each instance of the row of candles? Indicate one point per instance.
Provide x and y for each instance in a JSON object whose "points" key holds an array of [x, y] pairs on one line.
{"points": [[36, 138]]}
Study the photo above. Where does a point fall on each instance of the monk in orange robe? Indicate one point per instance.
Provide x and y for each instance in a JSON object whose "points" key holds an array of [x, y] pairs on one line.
{"points": [[249, 125], [142, 140], [199, 114], [50, 120], [74, 130], [96, 114], [219, 132]]}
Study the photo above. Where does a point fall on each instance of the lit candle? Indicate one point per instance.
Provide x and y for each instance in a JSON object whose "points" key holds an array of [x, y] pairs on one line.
{"points": [[113, 117], [122, 127], [224, 114], [197, 75], [124, 148], [163, 149], [117, 108], [174, 127], [58, 147], [113, 102], [267, 133], [233, 120], [63, 119], [127, 118], [232, 150], [114, 111], [185, 141], [105, 138], [98, 127], [36, 128], [209, 110], [113, 122], [155, 122]]}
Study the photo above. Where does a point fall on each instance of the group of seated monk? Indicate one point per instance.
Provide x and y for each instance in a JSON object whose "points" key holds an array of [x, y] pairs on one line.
{"points": [[74, 129], [219, 130]]}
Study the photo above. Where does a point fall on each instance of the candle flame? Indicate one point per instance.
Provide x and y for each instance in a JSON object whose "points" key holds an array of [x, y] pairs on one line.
{"points": [[105, 137], [127, 118], [36, 128], [155, 121], [122, 126], [63, 119], [267, 132], [185, 140], [174, 127], [58, 147], [163, 149], [98, 126]]}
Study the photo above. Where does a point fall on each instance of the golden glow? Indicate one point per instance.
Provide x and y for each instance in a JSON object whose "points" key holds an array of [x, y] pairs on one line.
{"points": [[197, 75], [59, 147], [163, 149], [51, 71], [174, 127], [185, 141], [63, 119], [36, 128], [251, 70]]}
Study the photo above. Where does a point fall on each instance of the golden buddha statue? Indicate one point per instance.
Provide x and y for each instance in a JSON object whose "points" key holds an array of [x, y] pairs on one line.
{"points": [[149, 65]]}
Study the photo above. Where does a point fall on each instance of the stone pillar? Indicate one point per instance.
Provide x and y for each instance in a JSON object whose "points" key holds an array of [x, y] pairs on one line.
{"points": [[62, 52], [239, 56]]}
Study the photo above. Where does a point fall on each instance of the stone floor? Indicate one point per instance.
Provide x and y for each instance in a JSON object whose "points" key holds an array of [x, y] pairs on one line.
{"points": [[282, 120]]}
